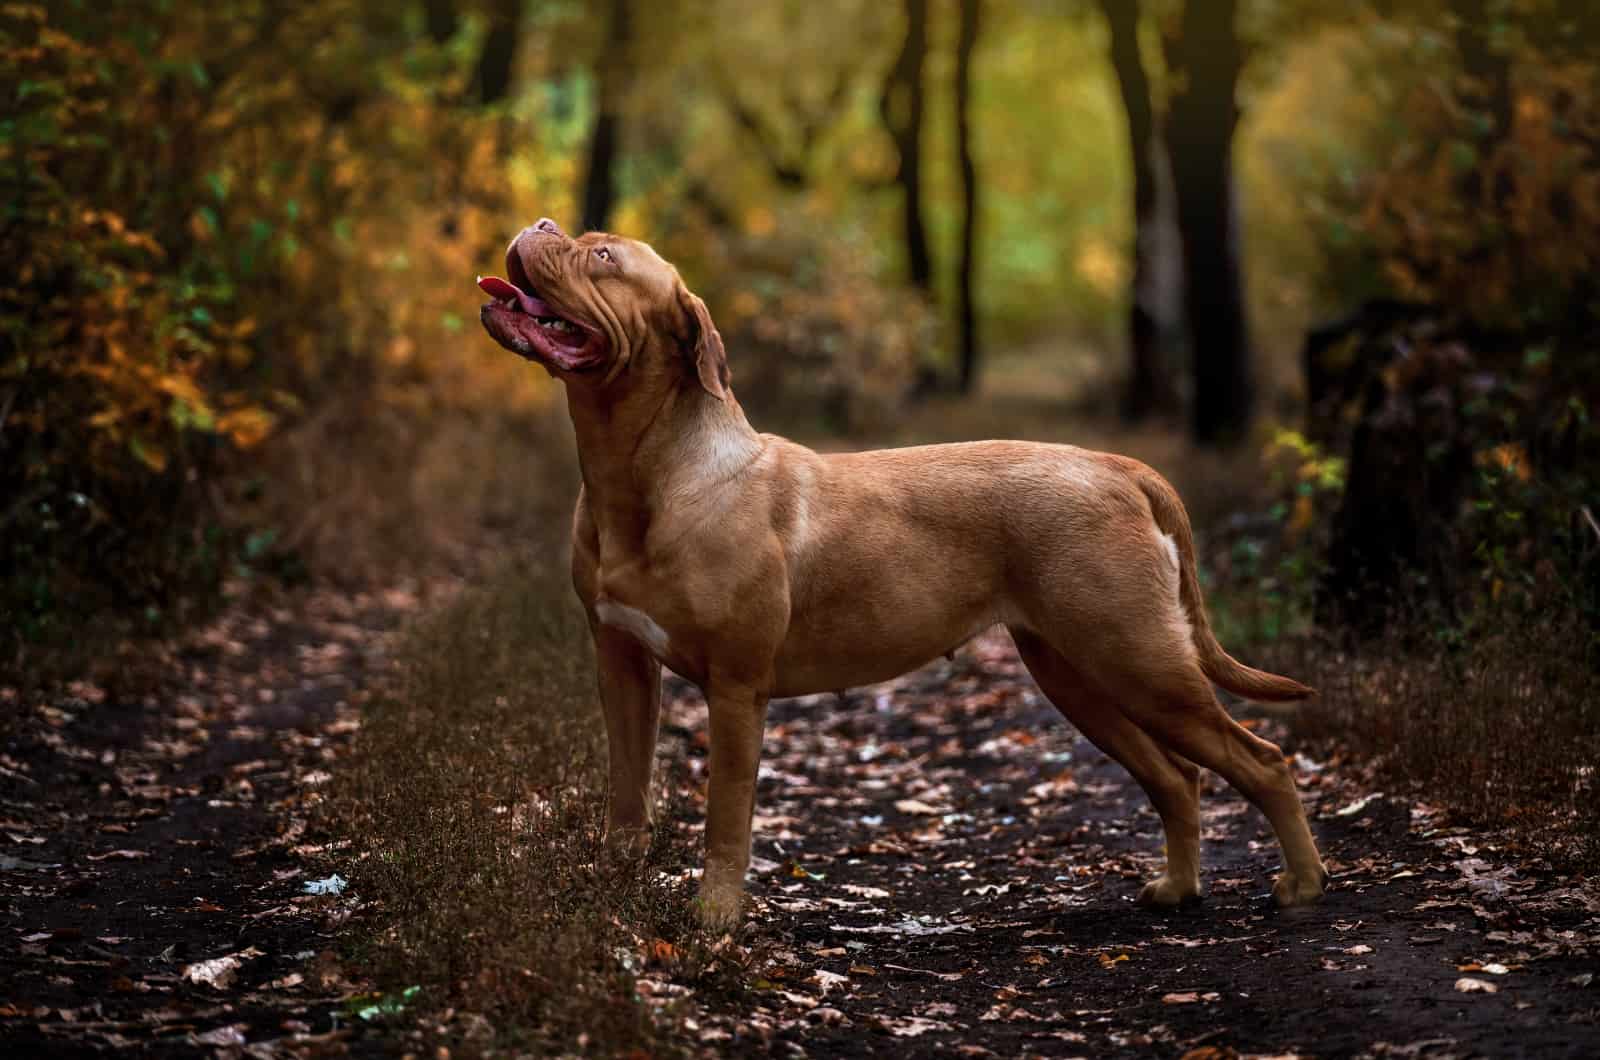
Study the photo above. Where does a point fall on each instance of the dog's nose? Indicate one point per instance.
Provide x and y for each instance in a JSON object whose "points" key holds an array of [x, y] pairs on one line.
{"points": [[544, 224]]}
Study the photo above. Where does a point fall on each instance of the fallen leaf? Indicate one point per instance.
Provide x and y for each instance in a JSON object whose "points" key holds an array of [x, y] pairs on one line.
{"points": [[334, 884], [232, 1034], [1360, 804], [828, 980], [1468, 985], [912, 1026], [864, 892], [923, 925], [988, 889], [805, 1001], [946, 977], [917, 808], [1188, 997], [217, 973]]}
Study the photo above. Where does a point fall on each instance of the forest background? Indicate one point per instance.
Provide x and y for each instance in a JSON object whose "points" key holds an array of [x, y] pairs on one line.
{"points": [[1332, 267]]}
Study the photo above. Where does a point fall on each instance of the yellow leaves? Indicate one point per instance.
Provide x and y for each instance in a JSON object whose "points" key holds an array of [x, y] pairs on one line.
{"points": [[200, 226], [113, 225], [760, 221], [1512, 458], [744, 304], [1102, 265], [24, 12], [1302, 515], [182, 387], [1107, 961], [247, 427], [111, 221], [148, 453]]}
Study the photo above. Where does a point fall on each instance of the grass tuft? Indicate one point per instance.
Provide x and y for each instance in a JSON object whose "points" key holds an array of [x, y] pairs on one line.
{"points": [[1503, 732], [477, 801]]}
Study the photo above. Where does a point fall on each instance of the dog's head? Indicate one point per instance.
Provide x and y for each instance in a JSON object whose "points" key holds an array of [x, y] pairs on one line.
{"points": [[592, 308]]}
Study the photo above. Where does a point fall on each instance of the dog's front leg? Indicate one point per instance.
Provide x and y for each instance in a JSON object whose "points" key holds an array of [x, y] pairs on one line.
{"points": [[630, 697], [738, 716]]}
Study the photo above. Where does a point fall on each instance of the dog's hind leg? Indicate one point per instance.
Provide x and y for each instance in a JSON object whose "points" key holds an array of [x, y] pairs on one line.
{"points": [[1171, 782], [1173, 701]]}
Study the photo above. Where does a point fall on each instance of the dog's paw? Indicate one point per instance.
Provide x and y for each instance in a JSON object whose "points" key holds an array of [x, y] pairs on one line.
{"points": [[720, 910], [1164, 892], [1292, 889]]}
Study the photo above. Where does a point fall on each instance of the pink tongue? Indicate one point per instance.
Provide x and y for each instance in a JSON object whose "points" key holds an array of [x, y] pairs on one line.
{"points": [[496, 288]]}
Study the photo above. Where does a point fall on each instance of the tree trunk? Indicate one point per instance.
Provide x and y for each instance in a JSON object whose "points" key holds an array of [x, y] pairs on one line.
{"points": [[441, 19], [1206, 61], [613, 73], [901, 105], [967, 324], [1486, 68], [1155, 309], [1484, 89], [499, 54]]}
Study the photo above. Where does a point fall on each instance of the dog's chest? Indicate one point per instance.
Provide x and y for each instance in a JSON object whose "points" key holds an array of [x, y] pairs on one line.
{"points": [[651, 612], [636, 622]]}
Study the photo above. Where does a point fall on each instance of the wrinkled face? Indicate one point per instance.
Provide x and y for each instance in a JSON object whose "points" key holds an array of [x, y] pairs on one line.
{"points": [[585, 308]]}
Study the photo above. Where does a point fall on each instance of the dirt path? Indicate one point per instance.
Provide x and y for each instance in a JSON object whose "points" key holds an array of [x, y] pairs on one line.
{"points": [[942, 868], [156, 850], [945, 867]]}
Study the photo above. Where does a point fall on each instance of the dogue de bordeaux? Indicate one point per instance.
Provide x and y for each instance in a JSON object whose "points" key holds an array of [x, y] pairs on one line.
{"points": [[755, 567]]}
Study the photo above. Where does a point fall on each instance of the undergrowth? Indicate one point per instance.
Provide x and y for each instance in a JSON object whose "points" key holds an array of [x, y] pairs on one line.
{"points": [[477, 803], [1502, 733]]}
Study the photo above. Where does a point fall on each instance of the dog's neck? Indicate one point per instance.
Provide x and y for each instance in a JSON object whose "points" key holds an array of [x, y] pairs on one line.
{"points": [[649, 442]]}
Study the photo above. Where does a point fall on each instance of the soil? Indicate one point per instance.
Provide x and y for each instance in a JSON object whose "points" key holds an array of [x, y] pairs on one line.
{"points": [[942, 868], [967, 864], [149, 832]]}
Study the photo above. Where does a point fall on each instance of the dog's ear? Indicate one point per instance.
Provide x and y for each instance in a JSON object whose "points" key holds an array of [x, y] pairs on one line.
{"points": [[704, 345]]}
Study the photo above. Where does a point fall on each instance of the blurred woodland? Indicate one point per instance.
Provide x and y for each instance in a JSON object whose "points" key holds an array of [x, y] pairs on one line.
{"points": [[1334, 268], [236, 327]]}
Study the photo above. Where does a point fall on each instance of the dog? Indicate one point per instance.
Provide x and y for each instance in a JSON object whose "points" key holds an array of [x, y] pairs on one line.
{"points": [[755, 567]]}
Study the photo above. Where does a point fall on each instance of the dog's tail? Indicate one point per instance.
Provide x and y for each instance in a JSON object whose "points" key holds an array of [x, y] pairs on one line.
{"points": [[1217, 664]]}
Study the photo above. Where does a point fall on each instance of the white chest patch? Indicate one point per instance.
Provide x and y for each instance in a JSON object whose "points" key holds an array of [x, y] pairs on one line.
{"points": [[631, 620]]}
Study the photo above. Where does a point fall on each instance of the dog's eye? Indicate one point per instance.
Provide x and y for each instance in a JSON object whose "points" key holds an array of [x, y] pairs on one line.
{"points": [[602, 253]]}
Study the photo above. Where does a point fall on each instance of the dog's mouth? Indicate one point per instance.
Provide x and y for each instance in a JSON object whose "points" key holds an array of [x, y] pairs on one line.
{"points": [[526, 324]]}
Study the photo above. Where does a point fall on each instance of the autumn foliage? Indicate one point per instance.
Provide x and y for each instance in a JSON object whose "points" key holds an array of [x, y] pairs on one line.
{"points": [[195, 229]]}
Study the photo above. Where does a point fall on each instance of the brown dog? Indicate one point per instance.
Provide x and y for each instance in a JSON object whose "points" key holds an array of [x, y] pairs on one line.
{"points": [[755, 567]]}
